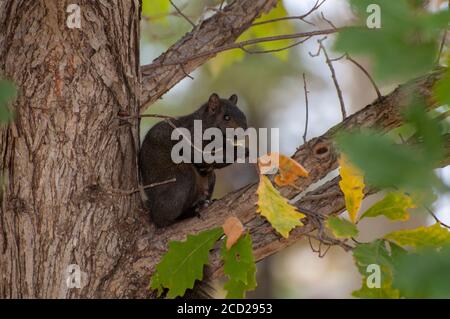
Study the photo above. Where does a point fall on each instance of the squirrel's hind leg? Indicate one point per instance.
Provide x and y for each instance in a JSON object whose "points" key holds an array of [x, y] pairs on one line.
{"points": [[166, 205]]}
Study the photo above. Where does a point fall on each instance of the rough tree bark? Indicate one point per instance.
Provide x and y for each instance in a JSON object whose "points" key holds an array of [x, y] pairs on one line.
{"points": [[68, 159], [65, 147]]}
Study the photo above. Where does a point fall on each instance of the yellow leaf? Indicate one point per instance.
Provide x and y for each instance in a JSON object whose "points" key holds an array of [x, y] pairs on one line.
{"points": [[421, 237], [233, 228], [352, 185], [394, 206], [276, 209]]}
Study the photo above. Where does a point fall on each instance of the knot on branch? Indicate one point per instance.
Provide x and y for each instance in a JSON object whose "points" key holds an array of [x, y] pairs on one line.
{"points": [[322, 149]]}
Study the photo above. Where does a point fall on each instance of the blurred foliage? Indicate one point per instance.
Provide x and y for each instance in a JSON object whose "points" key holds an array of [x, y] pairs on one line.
{"points": [[442, 88], [8, 93], [158, 10], [423, 275], [375, 253], [400, 166], [404, 46]]}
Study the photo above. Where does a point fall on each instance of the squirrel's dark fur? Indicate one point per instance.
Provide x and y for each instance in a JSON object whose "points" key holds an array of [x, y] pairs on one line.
{"points": [[194, 183]]}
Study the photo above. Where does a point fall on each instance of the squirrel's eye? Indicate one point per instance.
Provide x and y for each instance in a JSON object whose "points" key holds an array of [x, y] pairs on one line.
{"points": [[227, 117]]}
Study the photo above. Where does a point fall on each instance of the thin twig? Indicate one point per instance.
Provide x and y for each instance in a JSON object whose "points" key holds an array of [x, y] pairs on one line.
{"points": [[436, 218], [328, 21], [307, 108], [238, 45], [135, 190], [321, 255], [182, 14], [349, 58], [333, 75], [130, 117], [367, 74], [275, 50], [441, 47], [185, 73], [301, 17]]}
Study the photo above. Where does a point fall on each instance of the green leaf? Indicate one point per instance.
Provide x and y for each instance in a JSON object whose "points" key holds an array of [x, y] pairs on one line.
{"points": [[240, 267], [404, 46], [236, 289], [424, 275], [280, 214], [422, 237], [369, 254], [8, 93], [341, 228], [393, 206], [183, 263], [238, 260]]}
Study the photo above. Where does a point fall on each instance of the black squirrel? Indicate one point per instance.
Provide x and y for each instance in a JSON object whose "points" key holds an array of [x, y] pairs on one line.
{"points": [[194, 182]]}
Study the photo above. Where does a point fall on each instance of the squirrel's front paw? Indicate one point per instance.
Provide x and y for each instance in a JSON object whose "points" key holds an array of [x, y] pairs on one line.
{"points": [[202, 206]]}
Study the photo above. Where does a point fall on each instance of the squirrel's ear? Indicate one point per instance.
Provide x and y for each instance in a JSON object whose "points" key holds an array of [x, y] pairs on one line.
{"points": [[213, 103], [233, 99]]}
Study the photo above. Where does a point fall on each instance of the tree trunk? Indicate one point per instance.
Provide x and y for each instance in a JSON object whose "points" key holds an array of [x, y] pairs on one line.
{"points": [[66, 152]]}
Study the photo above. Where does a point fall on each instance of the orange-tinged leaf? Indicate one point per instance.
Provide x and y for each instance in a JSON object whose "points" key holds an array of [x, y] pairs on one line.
{"points": [[352, 185], [276, 209], [233, 228], [289, 171]]}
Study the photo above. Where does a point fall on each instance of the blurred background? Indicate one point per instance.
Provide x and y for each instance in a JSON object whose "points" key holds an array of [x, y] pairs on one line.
{"points": [[270, 91]]}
